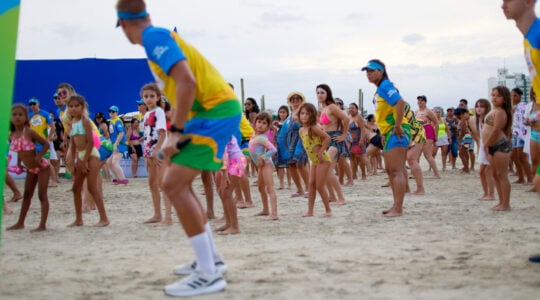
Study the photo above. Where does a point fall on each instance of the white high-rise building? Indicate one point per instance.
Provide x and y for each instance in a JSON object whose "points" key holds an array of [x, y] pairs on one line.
{"points": [[510, 81]]}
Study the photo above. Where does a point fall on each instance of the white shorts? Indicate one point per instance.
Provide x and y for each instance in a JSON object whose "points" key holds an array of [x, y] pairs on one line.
{"points": [[442, 141], [482, 155], [53, 155]]}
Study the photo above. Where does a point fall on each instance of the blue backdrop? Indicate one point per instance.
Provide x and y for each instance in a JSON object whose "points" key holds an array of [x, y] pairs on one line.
{"points": [[103, 82]]}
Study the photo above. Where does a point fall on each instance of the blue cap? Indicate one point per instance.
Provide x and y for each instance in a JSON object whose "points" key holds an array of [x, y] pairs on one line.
{"points": [[114, 108], [140, 102], [33, 100], [55, 95], [373, 65], [126, 15]]}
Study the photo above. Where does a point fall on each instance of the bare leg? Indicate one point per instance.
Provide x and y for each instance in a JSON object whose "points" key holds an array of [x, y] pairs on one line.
{"points": [[208, 183], [413, 154], [499, 161], [153, 166], [134, 164], [92, 180], [29, 187], [395, 162], [17, 195]]}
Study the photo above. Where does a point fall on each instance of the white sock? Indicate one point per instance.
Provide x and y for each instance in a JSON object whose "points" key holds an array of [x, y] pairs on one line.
{"points": [[203, 253], [208, 231]]}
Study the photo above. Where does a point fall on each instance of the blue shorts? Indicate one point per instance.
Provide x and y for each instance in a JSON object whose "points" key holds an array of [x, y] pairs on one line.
{"points": [[517, 142], [393, 141]]}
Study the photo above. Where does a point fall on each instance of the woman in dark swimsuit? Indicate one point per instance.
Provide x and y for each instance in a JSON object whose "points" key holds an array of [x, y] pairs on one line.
{"points": [[135, 148]]}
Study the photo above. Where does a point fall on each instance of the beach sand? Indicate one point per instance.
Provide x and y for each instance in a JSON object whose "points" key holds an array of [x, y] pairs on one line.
{"points": [[448, 245]]}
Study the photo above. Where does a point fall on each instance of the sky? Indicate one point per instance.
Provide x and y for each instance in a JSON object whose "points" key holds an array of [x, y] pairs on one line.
{"points": [[444, 49]]}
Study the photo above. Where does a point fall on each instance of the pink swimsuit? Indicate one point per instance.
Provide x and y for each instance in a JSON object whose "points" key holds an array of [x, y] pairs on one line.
{"points": [[19, 144], [324, 119]]}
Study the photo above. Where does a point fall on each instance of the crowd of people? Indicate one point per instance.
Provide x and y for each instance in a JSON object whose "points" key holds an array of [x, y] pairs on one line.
{"points": [[321, 147]]}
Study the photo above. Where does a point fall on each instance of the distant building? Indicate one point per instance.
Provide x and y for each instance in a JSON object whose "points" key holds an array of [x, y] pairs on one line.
{"points": [[510, 81]]}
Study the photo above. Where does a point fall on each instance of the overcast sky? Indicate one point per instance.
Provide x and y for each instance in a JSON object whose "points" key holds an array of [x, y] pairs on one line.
{"points": [[444, 49]]}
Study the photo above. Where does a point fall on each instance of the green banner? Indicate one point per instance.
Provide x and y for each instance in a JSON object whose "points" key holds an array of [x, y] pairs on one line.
{"points": [[9, 22]]}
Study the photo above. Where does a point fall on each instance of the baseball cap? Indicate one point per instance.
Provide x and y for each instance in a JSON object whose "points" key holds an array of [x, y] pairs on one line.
{"points": [[373, 65], [33, 100], [114, 108], [140, 102]]}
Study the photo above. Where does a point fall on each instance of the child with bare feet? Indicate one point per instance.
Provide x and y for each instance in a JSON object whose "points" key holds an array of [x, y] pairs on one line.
{"points": [[87, 160], [496, 135], [315, 141], [482, 107], [465, 137], [6, 209], [155, 125], [243, 192], [234, 168], [261, 150], [17, 195], [23, 141]]}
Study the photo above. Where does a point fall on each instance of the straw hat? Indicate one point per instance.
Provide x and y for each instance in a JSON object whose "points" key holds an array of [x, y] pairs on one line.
{"points": [[296, 94]]}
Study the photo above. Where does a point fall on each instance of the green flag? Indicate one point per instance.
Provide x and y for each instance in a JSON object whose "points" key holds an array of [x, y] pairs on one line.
{"points": [[9, 21]]}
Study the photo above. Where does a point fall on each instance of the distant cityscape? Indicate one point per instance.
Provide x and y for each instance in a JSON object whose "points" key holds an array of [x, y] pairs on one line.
{"points": [[511, 81]]}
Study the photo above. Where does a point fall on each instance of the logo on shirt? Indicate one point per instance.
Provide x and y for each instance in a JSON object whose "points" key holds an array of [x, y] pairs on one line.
{"points": [[159, 50], [391, 93]]}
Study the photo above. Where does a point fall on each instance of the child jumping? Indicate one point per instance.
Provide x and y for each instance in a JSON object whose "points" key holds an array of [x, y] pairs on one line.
{"points": [[315, 141], [86, 160], [23, 141], [261, 150]]}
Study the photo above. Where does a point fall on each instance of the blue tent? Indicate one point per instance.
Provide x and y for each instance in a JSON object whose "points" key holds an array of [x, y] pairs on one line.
{"points": [[103, 82]]}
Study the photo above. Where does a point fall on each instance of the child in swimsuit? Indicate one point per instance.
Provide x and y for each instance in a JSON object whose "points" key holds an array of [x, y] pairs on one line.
{"points": [[261, 151], [496, 134], [234, 168], [315, 141], [23, 141], [87, 160]]}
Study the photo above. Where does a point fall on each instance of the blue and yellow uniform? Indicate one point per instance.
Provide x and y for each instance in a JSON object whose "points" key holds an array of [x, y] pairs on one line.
{"points": [[115, 128], [215, 114], [386, 97], [532, 55], [40, 122]]}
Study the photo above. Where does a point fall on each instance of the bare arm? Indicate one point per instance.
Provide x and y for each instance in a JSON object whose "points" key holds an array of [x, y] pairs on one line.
{"points": [[186, 87], [432, 117], [400, 111], [499, 121], [325, 138], [341, 116]]}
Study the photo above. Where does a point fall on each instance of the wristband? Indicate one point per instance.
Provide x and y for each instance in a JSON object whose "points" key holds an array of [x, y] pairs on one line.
{"points": [[176, 129]]}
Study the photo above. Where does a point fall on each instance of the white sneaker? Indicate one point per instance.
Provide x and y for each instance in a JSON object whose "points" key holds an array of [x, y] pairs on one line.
{"points": [[196, 284], [188, 269]]}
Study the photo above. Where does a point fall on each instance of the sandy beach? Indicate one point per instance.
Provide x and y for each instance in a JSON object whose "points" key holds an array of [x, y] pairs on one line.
{"points": [[448, 245]]}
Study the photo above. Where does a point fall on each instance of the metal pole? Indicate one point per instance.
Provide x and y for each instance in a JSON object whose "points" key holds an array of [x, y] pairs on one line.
{"points": [[242, 91]]}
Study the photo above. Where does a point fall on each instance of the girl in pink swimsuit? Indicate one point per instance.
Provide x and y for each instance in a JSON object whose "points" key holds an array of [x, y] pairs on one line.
{"points": [[23, 141]]}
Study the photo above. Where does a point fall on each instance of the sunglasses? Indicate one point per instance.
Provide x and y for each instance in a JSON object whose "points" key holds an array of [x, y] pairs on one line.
{"points": [[296, 98], [32, 104], [112, 111], [62, 93]]}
